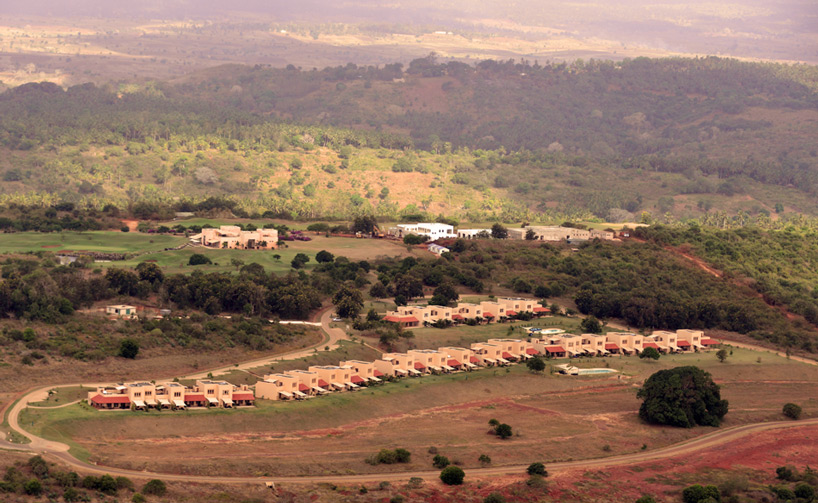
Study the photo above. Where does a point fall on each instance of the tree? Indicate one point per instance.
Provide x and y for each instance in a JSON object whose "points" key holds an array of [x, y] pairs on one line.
{"points": [[150, 272], [498, 231], [324, 256], [591, 325], [378, 290], [805, 492], [682, 396], [530, 235], [791, 410], [535, 364], [697, 493], [651, 353], [440, 461], [721, 354], [494, 498], [503, 431], [537, 469], [198, 259], [444, 295], [155, 487], [414, 239], [299, 261], [365, 224], [128, 348], [542, 292], [34, 488], [349, 302], [484, 459], [452, 475], [237, 263]]}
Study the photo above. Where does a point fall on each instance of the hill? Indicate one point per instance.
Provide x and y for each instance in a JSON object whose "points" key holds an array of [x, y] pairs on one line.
{"points": [[501, 140]]}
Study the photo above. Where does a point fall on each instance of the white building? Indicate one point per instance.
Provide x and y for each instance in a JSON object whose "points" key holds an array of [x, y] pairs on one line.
{"points": [[433, 231], [473, 233]]}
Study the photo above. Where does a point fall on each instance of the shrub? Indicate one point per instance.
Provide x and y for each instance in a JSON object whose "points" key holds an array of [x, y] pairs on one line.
{"points": [[805, 492], [783, 493], [792, 411], [415, 482], [128, 348], [452, 475], [646, 499], [138, 498], [107, 484], [786, 473], [198, 259], [414, 239], [33, 487], [124, 483], [535, 364], [494, 498], [537, 469], [697, 493], [440, 461], [398, 498], [484, 459], [503, 431], [402, 455], [71, 495], [155, 487], [651, 353], [734, 484]]}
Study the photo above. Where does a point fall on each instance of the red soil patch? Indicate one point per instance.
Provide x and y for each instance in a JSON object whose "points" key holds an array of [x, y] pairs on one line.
{"points": [[131, 224], [759, 454]]}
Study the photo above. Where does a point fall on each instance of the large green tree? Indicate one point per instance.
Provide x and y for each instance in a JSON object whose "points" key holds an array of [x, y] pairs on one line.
{"points": [[348, 302], [682, 396]]}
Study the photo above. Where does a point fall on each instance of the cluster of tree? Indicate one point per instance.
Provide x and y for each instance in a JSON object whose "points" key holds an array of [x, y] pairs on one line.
{"points": [[37, 478], [782, 264], [390, 456]]}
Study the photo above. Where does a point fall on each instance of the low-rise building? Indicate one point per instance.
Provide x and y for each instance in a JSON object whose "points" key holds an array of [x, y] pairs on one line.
{"points": [[279, 387], [516, 305], [460, 358], [489, 355], [232, 237], [432, 231], [593, 344], [336, 377], [625, 342], [473, 233], [437, 249], [121, 310], [465, 310], [496, 310], [397, 364], [693, 338], [308, 382], [363, 371], [665, 341], [430, 360], [512, 349]]}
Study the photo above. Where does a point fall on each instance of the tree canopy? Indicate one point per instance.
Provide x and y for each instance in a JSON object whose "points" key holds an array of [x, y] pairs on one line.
{"points": [[682, 396]]}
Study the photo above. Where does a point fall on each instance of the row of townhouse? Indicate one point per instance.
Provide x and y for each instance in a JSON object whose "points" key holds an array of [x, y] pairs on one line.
{"points": [[489, 310], [559, 344], [170, 395], [232, 237]]}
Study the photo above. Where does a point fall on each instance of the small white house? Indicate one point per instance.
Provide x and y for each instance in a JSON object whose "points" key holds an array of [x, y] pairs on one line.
{"points": [[437, 249], [433, 231]]}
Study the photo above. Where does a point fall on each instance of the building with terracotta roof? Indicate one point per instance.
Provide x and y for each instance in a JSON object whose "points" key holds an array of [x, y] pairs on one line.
{"points": [[232, 237], [459, 358], [337, 378]]}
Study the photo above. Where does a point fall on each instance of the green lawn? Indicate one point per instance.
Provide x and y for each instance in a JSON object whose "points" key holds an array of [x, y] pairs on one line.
{"points": [[96, 241], [62, 396]]}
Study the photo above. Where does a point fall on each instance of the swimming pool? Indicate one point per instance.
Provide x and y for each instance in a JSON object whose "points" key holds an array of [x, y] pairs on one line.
{"points": [[583, 372]]}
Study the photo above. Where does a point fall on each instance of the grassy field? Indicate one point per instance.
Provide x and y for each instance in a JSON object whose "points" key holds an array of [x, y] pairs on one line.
{"points": [[95, 241], [554, 418], [62, 396]]}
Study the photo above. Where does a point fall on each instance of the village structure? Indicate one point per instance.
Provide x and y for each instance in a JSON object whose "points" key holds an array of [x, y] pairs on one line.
{"points": [[232, 237], [435, 231], [484, 312], [351, 375]]}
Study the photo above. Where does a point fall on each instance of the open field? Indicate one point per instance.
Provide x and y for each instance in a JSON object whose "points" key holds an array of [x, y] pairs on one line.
{"points": [[93, 241], [563, 417], [61, 396]]}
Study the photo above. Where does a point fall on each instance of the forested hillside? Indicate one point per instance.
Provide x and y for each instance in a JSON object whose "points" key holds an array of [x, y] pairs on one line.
{"points": [[515, 141]]}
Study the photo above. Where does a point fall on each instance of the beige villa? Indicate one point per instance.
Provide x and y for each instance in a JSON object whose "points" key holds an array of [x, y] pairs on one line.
{"points": [[460, 358], [279, 387], [362, 371], [430, 360], [489, 354], [170, 395], [232, 237], [334, 377]]}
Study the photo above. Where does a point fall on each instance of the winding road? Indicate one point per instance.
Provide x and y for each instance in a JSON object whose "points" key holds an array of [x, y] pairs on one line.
{"points": [[60, 451]]}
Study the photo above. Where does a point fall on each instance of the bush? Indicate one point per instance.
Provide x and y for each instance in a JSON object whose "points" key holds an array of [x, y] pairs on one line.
{"points": [[33, 487], [389, 457], [440, 461], [484, 459], [535, 364], [138, 498], [398, 498], [537, 469], [155, 487], [697, 493], [414, 239], [786, 473], [128, 348], [646, 499], [107, 484], [415, 483], [402, 455], [783, 493], [503, 431], [124, 483], [651, 353], [666, 400], [792, 411], [494, 498], [452, 475], [71, 495], [805, 492], [198, 259]]}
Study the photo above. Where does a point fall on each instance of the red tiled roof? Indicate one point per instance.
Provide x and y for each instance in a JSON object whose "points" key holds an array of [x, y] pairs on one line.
{"points": [[356, 379], [377, 373], [511, 313], [488, 315], [457, 317], [682, 344], [323, 383], [111, 399], [303, 387], [507, 355], [709, 342], [611, 345], [194, 398], [555, 349], [473, 359], [453, 363], [650, 345], [419, 366], [541, 310], [243, 396], [531, 351]]}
